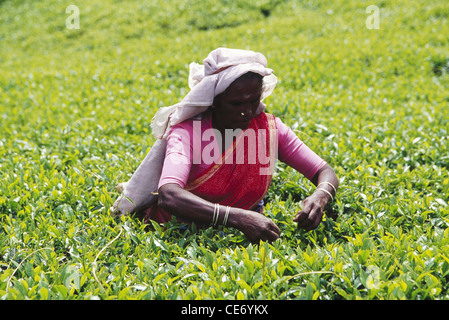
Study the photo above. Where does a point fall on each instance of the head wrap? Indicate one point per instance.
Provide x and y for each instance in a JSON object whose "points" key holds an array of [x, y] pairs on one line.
{"points": [[221, 67]]}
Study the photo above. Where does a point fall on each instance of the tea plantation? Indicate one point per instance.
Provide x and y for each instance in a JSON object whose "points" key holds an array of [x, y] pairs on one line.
{"points": [[75, 109]]}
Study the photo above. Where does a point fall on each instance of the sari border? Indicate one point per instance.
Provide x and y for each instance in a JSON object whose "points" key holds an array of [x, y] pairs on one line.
{"points": [[273, 145]]}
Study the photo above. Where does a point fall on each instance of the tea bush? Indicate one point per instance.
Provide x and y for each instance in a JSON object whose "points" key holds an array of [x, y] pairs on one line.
{"points": [[75, 111]]}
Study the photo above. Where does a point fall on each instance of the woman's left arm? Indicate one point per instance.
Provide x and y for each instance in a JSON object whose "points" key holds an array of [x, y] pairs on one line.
{"points": [[311, 214]]}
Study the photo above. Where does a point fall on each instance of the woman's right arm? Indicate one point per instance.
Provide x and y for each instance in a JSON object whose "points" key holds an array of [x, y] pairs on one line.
{"points": [[186, 205]]}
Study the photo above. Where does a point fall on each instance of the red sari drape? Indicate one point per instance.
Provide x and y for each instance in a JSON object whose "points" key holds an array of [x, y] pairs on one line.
{"points": [[242, 176]]}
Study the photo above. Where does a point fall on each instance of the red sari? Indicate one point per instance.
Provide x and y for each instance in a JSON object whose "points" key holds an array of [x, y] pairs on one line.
{"points": [[239, 178]]}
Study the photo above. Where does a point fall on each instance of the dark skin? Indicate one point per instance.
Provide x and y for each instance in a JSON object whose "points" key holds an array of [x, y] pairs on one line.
{"points": [[311, 215], [243, 96]]}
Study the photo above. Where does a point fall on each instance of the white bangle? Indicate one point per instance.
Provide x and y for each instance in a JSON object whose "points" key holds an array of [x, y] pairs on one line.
{"points": [[216, 214], [335, 189], [225, 219], [330, 194]]}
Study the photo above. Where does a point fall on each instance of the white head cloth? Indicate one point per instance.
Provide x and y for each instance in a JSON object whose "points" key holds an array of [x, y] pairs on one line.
{"points": [[221, 67]]}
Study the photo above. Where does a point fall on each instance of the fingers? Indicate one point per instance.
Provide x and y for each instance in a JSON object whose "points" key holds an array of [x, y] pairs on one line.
{"points": [[275, 229], [271, 233], [309, 217], [269, 236], [266, 230], [272, 236]]}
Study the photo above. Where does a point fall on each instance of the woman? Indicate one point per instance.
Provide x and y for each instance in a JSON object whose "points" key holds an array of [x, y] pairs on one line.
{"points": [[218, 163]]}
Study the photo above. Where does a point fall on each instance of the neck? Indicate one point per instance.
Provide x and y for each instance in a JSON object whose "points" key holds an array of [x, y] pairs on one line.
{"points": [[217, 125]]}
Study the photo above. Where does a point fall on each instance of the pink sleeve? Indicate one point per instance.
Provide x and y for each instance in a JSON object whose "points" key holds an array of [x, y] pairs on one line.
{"points": [[178, 160], [293, 152]]}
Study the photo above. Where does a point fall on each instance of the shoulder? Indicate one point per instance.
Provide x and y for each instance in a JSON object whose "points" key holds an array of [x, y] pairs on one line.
{"points": [[187, 129], [280, 126], [265, 116], [198, 121]]}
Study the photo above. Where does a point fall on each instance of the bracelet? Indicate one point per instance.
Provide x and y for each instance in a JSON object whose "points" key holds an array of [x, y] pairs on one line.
{"points": [[330, 194], [216, 214], [335, 189], [225, 219]]}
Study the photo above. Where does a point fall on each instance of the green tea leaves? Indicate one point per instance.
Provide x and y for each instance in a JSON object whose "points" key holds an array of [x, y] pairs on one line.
{"points": [[75, 109]]}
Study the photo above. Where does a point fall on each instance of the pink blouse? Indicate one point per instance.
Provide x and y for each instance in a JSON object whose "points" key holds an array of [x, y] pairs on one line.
{"points": [[189, 142]]}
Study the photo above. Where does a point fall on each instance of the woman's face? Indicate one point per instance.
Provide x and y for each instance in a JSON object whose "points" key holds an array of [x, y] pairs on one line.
{"points": [[236, 107]]}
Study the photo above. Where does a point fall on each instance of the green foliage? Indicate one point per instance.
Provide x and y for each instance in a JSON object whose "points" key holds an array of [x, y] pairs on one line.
{"points": [[75, 108]]}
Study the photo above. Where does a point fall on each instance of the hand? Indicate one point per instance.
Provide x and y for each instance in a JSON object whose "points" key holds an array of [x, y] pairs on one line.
{"points": [[311, 215], [186, 205], [256, 226]]}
